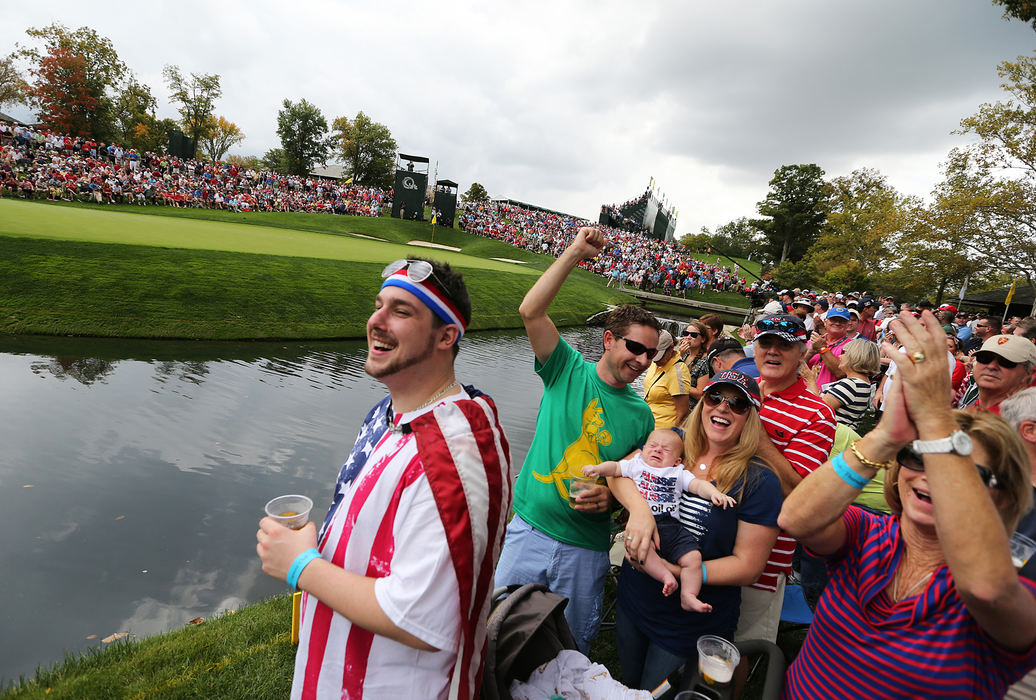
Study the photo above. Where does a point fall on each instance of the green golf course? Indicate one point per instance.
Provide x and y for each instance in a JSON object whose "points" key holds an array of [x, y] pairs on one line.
{"points": [[160, 272]]}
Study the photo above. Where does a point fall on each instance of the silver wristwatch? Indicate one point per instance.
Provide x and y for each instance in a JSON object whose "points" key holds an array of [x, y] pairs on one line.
{"points": [[958, 442]]}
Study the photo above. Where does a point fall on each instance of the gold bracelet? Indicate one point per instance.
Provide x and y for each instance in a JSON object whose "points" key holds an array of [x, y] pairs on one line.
{"points": [[867, 462]]}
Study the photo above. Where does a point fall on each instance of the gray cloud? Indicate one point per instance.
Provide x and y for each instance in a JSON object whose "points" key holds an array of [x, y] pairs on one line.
{"points": [[573, 104]]}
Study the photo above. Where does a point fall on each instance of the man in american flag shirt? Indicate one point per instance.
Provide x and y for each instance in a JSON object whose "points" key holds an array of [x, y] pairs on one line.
{"points": [[397, 582]]}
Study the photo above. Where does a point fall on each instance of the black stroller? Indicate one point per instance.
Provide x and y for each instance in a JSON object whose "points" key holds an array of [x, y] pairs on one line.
{"points": [[527, 628]]}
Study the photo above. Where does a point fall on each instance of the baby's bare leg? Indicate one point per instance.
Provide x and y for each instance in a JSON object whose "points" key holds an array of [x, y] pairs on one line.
{"points": [[690, 582], [654, 565]]}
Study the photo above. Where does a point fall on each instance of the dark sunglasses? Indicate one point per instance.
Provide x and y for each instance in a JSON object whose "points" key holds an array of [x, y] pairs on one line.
{"points": [[738, 404], [637, 348], [691, 334], [909, 459], [984, 357], [785, 326]]}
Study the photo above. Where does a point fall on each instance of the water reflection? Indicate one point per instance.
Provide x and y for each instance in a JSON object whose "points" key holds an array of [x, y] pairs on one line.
{"points": [[134, 473]]}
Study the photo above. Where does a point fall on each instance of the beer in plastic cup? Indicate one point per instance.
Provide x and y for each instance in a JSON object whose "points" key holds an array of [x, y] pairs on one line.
{"points": [[1022, 549], [290, 511], [717, 659]]}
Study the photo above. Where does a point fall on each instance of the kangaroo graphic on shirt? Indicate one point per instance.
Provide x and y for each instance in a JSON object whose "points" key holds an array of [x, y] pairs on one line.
{"points": [[585, 450]]}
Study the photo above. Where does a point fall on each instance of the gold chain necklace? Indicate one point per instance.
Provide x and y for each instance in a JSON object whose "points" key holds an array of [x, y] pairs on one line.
{"points": [[399, 428], [895, 586]]}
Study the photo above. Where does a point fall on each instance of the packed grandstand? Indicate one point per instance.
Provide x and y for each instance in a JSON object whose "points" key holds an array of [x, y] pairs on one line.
{"points": [[40, 164]]}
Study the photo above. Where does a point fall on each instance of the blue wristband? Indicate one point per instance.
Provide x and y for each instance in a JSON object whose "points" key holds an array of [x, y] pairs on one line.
{"points": [[846, 474], [300, 563], [704, 575]]}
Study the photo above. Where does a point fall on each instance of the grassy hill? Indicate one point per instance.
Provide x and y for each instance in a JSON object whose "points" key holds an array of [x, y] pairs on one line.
{"points": [[160, 272]]}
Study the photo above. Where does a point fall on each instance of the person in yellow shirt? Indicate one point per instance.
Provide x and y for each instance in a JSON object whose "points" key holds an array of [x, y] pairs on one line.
{"points": [[667, 385]]}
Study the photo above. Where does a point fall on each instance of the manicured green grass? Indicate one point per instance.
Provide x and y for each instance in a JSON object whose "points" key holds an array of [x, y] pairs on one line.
{"points": [[83, 270], [246, 655]]}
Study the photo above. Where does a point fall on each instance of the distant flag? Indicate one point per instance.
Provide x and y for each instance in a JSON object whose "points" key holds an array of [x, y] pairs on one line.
{"points": [[964, 289], [1010, 294], [433, 218], [349, 181]]}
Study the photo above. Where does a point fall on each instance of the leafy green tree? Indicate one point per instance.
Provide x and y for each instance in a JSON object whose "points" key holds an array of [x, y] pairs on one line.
{"points": [[1024, 10], [476, 193], [196, 97], [790, 274], [303, 132], [739, 239], [864, 216], [795, 211], [275, 161], [697, 242], [247, 162], [989, 189], [135, 115], [368, 149], [222, 135], [98, 68], [12, 86]]}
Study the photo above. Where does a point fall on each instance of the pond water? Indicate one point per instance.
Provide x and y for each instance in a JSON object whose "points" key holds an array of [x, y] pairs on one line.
{"points": [[133, 474]]}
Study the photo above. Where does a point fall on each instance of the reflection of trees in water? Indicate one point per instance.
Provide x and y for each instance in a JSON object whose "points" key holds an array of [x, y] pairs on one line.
{"points": [[187, 371], [85, 370], [589, 344]]}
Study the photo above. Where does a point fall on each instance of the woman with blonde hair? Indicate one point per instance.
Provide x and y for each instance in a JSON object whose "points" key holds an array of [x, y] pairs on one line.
{"points": [[933, 583], [655, 635]]}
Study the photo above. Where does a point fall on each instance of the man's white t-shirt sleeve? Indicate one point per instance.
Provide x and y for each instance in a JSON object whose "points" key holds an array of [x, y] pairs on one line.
{"points": [[420, 595]]}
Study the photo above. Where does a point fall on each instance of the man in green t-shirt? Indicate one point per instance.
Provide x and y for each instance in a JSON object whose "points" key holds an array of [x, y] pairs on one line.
{"points": [[588, 415]]}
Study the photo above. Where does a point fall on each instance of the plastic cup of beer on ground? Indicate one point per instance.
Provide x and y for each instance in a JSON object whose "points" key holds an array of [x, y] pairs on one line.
{"points": [[1022, 549], [717, 659], [290, 511]]}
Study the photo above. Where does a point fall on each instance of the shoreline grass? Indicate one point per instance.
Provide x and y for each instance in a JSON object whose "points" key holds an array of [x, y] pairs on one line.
{"points": [[201, 274]]}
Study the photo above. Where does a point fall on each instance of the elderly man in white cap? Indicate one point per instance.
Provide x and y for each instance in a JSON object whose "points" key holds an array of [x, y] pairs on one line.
{"points": [[1003, 367]]}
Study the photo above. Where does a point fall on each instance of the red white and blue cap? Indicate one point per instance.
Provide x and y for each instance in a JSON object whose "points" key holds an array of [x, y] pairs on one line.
{"points": [[786, 326], [431, 296], [742, 381]]}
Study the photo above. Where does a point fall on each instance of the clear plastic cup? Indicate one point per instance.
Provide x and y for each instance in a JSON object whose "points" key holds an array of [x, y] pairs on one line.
{"points": [[717, 659], [290, 511], [579, 484], [1022, 549]]}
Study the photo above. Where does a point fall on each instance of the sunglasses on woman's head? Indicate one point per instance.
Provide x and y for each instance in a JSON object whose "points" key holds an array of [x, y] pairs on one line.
{"points": [[738, 404], [637, 348], [909, 459], [984, 357]]}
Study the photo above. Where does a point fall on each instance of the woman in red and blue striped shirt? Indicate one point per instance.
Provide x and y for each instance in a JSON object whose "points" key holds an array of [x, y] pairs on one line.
{"points": [[926, 602]]}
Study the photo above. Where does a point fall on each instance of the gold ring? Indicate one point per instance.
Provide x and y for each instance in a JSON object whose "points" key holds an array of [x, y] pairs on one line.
{"points": [[917, 356]]}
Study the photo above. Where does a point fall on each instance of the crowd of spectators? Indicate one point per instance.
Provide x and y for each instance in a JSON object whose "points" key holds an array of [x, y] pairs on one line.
{"points": [[630, 259], [618, 219], [40, 164]]}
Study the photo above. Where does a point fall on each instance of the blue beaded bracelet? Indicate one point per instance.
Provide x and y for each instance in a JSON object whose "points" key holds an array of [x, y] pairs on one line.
{"points": [[846, 474], [300, 563]]}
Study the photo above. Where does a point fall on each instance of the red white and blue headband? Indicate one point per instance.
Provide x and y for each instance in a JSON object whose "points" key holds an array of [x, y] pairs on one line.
{"points": [[430, 296]]}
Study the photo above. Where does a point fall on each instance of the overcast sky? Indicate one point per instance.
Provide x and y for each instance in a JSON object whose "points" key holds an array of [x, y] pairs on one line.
{"points": [[573, 104]]}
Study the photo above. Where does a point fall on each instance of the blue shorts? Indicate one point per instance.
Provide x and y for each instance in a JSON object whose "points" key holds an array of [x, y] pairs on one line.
{"points": [[674, 539]]}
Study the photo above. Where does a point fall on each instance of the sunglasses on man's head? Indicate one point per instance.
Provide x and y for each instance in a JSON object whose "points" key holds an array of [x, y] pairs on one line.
{"points": [[909, 459], [416, 270], [738, 404], [637, 348], [785, 326], [984, 357]]}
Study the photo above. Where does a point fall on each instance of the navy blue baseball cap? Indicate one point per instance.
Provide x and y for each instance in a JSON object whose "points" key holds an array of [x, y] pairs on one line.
{"points": [[742, 381]]}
